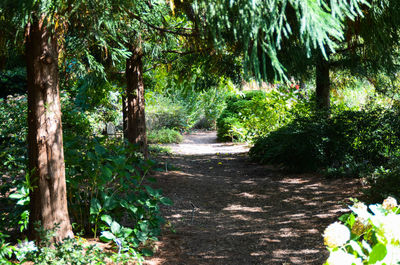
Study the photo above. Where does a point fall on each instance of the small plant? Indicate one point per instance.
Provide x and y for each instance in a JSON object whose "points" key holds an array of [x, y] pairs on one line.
{"points": [[164, 136], [367, 235]]}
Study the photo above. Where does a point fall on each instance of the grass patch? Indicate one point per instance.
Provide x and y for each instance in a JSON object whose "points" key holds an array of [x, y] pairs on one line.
{"points": [[164, 136]]}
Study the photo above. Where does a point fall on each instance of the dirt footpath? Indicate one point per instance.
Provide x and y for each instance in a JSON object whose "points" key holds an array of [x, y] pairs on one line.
{"points": [[230, 211]]}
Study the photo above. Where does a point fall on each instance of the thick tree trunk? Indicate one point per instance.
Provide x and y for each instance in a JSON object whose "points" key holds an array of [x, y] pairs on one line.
{"points": [[136, 122], [48, 203], [322, 83]]}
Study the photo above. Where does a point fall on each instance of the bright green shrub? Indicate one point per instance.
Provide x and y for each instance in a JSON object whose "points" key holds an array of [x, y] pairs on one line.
{"points": [[164, 136], [256, 113], [369, 235], [183, 108], [163, 112]]}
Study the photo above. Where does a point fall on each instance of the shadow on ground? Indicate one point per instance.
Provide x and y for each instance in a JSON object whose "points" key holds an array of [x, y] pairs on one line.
{"points": [[230, 211]]}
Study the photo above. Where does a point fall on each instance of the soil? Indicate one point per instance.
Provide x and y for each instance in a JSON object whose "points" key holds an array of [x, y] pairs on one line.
{"points": [[228, 210]]}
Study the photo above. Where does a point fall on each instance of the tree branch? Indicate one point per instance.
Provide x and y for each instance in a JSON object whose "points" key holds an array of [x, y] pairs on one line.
{"points": [[184, 52], [136, 17]]}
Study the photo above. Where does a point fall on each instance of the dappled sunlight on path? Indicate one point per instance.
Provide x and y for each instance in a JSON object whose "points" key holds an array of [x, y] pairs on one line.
{"points": [[230, 211], [202, 143]]}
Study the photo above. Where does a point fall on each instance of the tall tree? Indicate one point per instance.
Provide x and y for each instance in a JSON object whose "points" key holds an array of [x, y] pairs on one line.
{"points": [[45, 24], [136, 120], [45, 142], [153, 33]]}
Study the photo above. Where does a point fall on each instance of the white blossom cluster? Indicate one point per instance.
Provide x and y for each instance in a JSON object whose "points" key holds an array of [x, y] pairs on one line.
{"points": [[370, 236]]}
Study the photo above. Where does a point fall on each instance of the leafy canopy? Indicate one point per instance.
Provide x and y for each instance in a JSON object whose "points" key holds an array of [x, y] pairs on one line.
{"points": [[259, 27]]}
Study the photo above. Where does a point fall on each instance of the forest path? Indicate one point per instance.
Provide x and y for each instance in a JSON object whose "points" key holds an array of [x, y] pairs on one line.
{"points": [[228, 210]]}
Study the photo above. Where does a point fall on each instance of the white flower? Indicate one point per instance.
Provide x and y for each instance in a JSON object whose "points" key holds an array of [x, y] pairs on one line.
{"points": [[390, 227], [340, 257], [393, 255], [336, 235], [389, 203], [360, 206]]}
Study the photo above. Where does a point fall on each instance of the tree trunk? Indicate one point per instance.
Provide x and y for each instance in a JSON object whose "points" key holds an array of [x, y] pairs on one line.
{"points": [[48, 199], [125, 116], [136, 122], [322, 83]]}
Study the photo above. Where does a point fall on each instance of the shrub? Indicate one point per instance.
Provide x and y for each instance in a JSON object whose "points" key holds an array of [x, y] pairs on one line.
{"points": [[368, 235], [384, 182], [107, 181], [347, 143], [184, 108], [164, 136], [69, 251], [163, 112], [256, 113], [108, 194]]}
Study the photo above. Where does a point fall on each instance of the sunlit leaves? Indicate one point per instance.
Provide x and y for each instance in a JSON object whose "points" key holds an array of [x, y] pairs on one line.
{"points": [[260, 26]]}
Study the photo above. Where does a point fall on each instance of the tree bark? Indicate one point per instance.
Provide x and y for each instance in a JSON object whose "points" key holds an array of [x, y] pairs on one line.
{"points": [[48, 199], [125, 116], [136, 121], [322, 83]]}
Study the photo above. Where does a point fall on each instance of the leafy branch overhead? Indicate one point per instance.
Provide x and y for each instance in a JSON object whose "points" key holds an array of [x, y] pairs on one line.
{"points": [[258, 28]]}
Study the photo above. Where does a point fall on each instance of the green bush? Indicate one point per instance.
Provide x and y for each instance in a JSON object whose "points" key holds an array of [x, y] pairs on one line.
{"points": [[165, 113], [256, 113], [384, 182], [164, 136], [347, 143], [108, 193], [185, 108]]}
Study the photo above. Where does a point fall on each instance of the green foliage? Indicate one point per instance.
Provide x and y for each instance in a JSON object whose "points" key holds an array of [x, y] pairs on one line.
{"points": [[260, 32], [369, 235], [164, 136], [347, 143], [105, 177], [12, 82], [164, 112], [384, 181], [257, 113], [13, 157], [69, 251], [6, 249], [109, 181], [13, 153], [184, 108]]}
